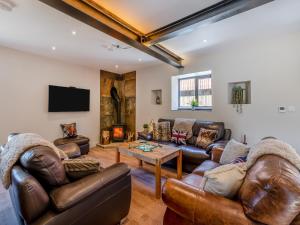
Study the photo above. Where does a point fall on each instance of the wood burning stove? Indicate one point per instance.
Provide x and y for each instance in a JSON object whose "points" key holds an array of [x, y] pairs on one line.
{"points": [[119, 129], [118, 132]]}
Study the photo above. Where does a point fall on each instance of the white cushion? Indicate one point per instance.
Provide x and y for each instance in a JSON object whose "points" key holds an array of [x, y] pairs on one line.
{"points": [[232, 150], [224, 180]]}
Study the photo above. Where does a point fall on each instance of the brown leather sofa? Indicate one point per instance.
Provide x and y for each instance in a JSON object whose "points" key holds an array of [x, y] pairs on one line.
{"points": [[269, 195], [193, 156], [101, 198]]}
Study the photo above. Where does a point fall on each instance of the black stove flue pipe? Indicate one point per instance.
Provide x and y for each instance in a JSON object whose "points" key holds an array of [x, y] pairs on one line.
{"points": [[117, 102]]}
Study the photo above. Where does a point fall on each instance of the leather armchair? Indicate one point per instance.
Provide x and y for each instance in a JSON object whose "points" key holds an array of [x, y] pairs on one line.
{"points": [[101, 198], [269, 195]]}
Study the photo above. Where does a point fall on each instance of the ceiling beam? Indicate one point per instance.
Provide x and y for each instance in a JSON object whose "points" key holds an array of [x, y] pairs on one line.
{"points": [[212, 14], [88, 12]]}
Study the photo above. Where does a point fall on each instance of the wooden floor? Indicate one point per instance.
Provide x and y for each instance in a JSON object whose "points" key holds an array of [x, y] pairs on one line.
{"points": [[145, 208]]}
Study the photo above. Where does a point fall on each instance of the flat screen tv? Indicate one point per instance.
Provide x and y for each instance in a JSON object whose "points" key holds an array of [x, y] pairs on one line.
{"points": [[68, 99]]}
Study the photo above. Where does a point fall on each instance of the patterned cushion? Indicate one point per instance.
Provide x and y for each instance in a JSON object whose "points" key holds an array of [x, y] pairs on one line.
{"points": [[206, 137], [162, 131], [69, 130], [156, 135], [179, 137], [81, 167]]}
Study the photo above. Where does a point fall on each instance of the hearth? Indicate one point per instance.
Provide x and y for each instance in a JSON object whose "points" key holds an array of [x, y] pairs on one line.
{"points": [[118, 132]]}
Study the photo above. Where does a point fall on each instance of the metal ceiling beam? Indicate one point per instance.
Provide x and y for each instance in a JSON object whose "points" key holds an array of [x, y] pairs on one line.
{"points": [[88, 12], [212, 14]]}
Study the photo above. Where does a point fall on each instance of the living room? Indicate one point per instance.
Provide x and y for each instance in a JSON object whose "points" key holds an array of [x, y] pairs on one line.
{"points": [[218, 78]]}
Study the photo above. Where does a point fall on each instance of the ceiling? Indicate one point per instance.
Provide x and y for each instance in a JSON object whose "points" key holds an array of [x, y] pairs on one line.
{"points": [[275, 18], [147, 16], [34, 27]]}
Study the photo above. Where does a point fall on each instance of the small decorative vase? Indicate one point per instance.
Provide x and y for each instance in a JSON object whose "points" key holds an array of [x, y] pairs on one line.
{"points": [[158, 100]]}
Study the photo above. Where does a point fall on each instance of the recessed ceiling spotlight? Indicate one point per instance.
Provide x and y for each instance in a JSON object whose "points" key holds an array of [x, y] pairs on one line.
{"points": [[117, 66], [204, 40], [74, 32], [140, 60], [53, 48]]}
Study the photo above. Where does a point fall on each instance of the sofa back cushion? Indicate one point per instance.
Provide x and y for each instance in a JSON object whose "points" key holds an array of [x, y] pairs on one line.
{"points": [[270, 193], [45, 165], [172, 121]]}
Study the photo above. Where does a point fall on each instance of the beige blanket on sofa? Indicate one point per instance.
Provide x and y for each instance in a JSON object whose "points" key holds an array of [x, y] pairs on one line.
{"points": [[186, 125], [13, 150], [273, 147]]}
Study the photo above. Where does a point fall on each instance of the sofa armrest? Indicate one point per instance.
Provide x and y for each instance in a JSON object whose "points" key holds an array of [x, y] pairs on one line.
{"points": [[216, 154], [70, 194], [200, 207], [71, 149], [219, 144]]}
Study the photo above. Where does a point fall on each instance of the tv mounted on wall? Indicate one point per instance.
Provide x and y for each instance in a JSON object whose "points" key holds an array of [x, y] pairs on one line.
{"points": [[68, 99]]}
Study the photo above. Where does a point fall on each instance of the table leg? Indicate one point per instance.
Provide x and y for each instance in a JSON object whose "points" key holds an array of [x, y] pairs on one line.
{"points": [[179, 165], [117, 155], [158, 180], [140, 163]]}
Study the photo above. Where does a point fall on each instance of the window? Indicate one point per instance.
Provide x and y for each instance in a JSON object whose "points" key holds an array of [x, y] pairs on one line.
{"points": [[196, 86]]}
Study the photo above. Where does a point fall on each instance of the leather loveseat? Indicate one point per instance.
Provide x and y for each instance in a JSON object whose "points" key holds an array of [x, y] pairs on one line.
{"points": [[269, 195], [193, 156], [101, 198]]}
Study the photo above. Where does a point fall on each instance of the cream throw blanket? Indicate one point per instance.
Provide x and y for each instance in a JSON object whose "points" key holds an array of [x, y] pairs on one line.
{"points": [[12, 151], [273, 147], [186, 125]]}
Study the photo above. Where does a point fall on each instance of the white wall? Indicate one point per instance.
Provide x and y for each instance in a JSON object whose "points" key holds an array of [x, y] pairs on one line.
{"points": [[24, 80], [272, 65]]}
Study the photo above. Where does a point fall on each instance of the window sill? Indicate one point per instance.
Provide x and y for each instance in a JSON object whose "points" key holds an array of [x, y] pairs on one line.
{"points": [[209, 109]]}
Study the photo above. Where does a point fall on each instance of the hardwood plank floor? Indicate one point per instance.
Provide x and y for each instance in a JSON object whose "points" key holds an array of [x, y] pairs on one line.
{"points": [[145, 208]]}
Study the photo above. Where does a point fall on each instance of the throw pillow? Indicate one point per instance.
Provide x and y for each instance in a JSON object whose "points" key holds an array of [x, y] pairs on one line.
{"points": [[179, 137], [232, 150], [224, 180], [162, 131], [165, 128], [156, 135], [69, 130], [206, 137], [241, 159], [81, 167]]}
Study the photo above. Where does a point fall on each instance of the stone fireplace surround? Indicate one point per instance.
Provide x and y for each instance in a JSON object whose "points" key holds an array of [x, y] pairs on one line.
{"points": [[126, 88]]}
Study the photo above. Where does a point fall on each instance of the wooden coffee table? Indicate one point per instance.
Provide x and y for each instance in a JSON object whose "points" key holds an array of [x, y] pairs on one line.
{"points": [[158, 156]]}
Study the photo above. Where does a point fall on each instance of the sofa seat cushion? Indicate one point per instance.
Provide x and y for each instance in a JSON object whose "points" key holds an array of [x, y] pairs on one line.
{"points": [[205, 166], [193, 154], [193, 180]]}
